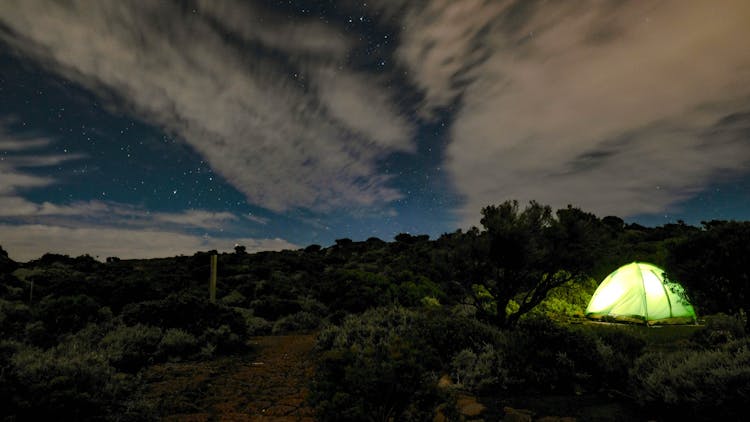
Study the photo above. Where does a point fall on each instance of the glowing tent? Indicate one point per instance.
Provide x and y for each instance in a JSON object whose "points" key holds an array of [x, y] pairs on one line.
{"points": [[639, 292]]}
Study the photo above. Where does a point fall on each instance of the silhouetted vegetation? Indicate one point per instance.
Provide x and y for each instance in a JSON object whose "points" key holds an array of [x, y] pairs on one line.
{"points": [[494, 308]]}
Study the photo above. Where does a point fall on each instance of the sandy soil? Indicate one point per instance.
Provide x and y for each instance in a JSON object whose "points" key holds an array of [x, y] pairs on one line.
{"points": [[269, 385]]}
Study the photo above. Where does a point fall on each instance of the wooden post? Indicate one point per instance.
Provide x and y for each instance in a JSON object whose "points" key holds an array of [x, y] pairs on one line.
{"points": [[212, 285]]}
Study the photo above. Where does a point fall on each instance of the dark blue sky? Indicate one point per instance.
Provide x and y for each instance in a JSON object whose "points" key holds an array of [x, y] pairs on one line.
{"points": [[149, 130]]}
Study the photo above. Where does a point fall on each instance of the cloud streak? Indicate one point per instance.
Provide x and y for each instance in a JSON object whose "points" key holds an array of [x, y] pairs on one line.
{"points": [[613, 106], [22, 242], [30, 229], [260, 111]]}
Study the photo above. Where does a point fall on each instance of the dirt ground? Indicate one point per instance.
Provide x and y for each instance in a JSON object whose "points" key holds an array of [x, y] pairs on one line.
{"points": [[270, 384]]}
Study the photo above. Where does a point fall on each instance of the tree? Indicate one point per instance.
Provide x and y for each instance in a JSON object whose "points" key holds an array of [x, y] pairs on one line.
{"points": [[522, 255], [712, 266], [7, 265]]}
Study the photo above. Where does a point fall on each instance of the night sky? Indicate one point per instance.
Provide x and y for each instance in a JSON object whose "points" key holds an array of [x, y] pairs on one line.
{"points": [[157, 128]]}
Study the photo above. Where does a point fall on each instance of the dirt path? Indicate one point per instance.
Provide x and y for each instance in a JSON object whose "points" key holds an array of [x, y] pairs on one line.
{"points": [[269, 385]]}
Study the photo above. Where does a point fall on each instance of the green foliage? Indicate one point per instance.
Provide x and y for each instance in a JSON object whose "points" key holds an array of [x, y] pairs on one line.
{"points": [[695, 384], [430, 302], [300, 322], [719, 329], [414, 288], [711, 265], [177, 344], [72, 381], [234, 298], [381, 361], [222, 339], [7, 265], [482, 371], [370, 369], [384, 363], [11, 288], [13, 319], [67, 314], [356, 291], [522, 254], [131, 348], [543, 356], [256, 326], [568, 300], [188, 312]]}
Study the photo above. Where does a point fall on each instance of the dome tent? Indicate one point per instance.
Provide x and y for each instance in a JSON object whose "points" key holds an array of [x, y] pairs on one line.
{"points": [[639, 292]]}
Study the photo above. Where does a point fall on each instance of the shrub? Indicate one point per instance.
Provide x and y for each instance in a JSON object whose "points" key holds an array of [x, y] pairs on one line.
{"points": [[299, 322], [384, 363], [272, 307], [222, 340], [543, 356], [13, 319], [234, 298], [369, 368], [177, 344], [696, 384], [719, 329], [11, 288], [187, 312], [256, 326], [131, 348], [616, 349], [8, 385], [481, 370], [67, 314], [568, 300], [72, 381]]}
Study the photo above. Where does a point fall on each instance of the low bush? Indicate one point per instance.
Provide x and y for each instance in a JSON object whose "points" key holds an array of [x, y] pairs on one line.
{"points": [[185, 311], [385, 363], [569, 300], [696, 384], [481, 371], [67, 314], [177, 344], [719, 329], [299, 322], [69, 382], [13, 319], [544, 356], [541, 356], [256, 326], [131, 348], [221, 340]]}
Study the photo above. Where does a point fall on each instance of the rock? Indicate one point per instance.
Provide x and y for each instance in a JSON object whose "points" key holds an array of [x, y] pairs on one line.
{"points": [[439, 417], [445, 382], [468, 406], [517, 415]]}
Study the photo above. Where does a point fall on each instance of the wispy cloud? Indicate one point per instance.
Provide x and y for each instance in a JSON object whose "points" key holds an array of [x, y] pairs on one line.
{"points": [[29, 229], [111, 229], [11, 145], [23, 242], [15, 176], [614, 106], [103, 214], [268, 121], [196, 218]]}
